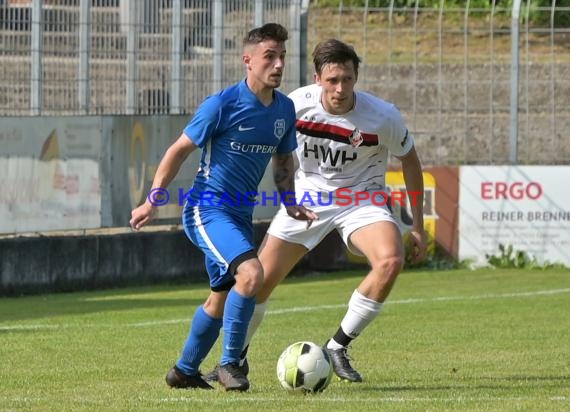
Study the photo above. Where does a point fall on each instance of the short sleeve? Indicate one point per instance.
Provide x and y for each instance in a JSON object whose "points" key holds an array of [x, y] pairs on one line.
{"points": [[398, 138], [205, 122]]}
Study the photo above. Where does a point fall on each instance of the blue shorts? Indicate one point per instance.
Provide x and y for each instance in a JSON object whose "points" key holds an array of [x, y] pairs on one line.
{"points": [[225, 238]]}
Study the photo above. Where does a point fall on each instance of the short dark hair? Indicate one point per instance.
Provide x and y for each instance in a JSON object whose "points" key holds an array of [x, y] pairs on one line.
{"points": [[334, 51], [269, 31]]}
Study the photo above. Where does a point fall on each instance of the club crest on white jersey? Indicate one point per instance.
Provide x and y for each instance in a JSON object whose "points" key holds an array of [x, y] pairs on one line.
{"points": [[350, 150], [355, 138]]}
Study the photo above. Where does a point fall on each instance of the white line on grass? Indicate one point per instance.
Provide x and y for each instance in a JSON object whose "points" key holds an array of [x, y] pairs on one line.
{"points": [[9, 328], [315, 399], [423, 300], [325, 399]]}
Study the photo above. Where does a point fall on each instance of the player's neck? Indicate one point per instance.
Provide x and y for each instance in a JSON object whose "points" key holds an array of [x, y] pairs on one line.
{"points": [[264, 94]]}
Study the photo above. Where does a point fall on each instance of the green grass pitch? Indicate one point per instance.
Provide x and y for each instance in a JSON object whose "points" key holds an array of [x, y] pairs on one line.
{"points": [[486, 340]]}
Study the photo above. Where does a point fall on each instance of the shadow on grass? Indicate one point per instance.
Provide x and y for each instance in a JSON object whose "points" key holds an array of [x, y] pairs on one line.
{"points": [[120, 299], [82, 303]]}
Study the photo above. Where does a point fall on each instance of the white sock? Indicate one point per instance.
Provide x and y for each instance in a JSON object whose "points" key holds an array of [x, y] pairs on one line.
{"points": [[333, 344], [256, 318], [361, 311]]}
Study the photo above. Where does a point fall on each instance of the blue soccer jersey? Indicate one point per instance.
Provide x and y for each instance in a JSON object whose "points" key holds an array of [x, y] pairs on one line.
{"points": [[237, 135]]}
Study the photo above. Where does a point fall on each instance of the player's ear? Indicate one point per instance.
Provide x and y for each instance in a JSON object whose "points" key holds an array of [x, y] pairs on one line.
{"points": [[247, 56], [317, 78]]}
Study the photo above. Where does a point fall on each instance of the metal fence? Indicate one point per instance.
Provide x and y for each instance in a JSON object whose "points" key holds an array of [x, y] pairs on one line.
{"points": [[475, 85], [73, 57]]}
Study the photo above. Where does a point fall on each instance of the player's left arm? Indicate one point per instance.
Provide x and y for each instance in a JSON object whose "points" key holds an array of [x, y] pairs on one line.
{"points": [[413, 178], [401, 144], [284, 178]]}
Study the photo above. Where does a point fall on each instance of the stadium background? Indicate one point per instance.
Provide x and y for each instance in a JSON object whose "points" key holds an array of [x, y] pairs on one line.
{"points": [[93, 91]]}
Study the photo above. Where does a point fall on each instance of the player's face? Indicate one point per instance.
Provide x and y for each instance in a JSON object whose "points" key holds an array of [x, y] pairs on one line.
{"points": [[265, 63], [337, 81]]}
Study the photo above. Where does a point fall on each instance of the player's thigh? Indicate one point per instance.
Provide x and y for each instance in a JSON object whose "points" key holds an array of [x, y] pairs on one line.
{"points": [[371, 231], [295, 231], [225, 239], [277, 257], [378, 241]]}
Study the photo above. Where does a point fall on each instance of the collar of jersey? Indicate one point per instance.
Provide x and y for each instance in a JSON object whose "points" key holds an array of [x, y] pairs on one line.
{"points": [[249, 96]]}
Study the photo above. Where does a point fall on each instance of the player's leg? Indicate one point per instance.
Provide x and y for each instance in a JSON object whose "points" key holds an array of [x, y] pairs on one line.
{"points": [[382, 245], [278, 257], [204, 331], [238, 310], [381, 242], [226, 243], [286, 242], [230, 238]]}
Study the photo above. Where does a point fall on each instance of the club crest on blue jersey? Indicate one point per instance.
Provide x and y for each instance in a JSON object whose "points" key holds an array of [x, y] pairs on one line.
{"points": [[279, 129]]}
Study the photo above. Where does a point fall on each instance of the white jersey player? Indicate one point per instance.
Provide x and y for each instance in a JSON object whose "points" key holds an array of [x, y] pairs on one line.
{"points": [[344, 139], [346, 151], [342, 166]]}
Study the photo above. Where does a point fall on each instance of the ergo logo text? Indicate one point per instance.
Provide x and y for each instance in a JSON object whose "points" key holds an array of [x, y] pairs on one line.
{"points": [[513, 191]]}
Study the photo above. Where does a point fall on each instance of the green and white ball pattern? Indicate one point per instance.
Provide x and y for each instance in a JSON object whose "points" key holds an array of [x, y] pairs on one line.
{"points": [[304, 366]]}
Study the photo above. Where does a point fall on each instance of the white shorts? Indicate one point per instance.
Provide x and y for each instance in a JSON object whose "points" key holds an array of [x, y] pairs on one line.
{"points": [[345, 220]]}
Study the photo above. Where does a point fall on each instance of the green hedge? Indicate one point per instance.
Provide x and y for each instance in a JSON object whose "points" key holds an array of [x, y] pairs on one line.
{"points": [[478, 4], [400, 3], [538, 11]]}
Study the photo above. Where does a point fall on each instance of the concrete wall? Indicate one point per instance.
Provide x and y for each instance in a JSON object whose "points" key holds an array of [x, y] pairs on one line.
{"points": [[43, 162], [62, 263], [87, 172]]}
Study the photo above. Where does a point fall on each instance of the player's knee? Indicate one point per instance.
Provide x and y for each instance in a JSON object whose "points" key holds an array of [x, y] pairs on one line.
{"points": [[388, 266], [249, 283], [249, 278]]}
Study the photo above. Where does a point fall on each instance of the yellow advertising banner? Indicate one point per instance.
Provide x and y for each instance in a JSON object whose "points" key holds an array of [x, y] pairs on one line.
{"points": [[401, 208]]}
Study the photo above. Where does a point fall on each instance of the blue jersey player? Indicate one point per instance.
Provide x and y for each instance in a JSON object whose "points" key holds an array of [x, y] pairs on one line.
{"points": [[238, 130]]}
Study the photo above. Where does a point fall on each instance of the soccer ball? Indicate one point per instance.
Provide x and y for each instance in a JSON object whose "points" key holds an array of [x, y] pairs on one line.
{"points": [[305, 367]]}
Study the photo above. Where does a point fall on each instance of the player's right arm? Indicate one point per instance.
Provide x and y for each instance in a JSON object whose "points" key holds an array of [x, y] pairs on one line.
{"points": [[283, 176], [167, 170]]}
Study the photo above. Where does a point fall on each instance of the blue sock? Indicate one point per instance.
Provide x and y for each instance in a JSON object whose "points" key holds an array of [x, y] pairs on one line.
{"points": [[204, 331], [237, 314]]}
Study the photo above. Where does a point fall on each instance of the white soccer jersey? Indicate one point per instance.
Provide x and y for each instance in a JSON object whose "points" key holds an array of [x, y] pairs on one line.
{"points": [[347, 151]]}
